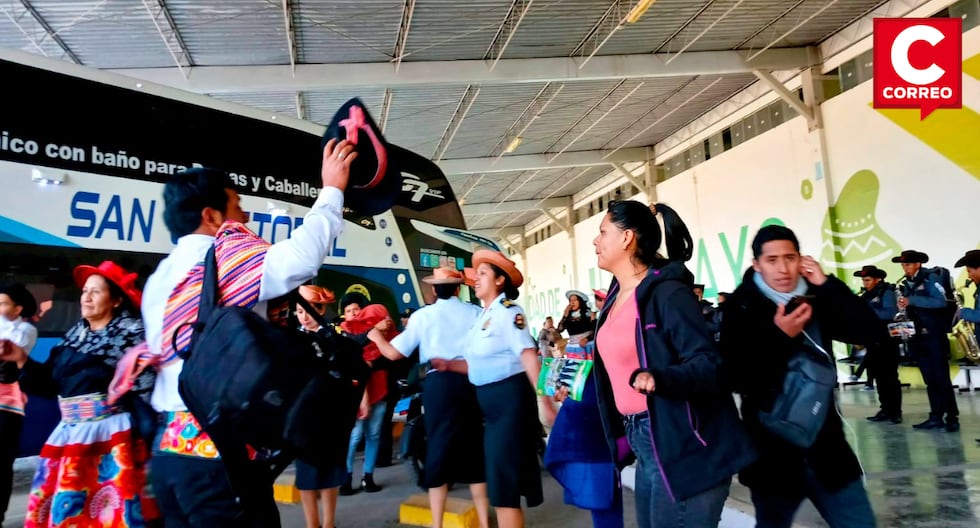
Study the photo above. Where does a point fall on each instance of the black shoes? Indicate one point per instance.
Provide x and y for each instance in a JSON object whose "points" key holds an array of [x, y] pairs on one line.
{"points": [[346, 489], [368, 485], [931, 423], [882, 416], [952, 425]]}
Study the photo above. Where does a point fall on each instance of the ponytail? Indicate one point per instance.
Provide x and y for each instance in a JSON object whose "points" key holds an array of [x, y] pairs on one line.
{"points": [[642, 220], [680, 245]]}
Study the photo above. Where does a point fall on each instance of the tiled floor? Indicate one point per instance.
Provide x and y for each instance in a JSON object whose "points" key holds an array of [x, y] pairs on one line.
{"points": [[914, 478]]}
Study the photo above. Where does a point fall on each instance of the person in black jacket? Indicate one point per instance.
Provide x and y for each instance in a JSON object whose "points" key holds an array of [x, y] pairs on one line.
{"points": [[759, 336], [882, 358], [656, 368]]}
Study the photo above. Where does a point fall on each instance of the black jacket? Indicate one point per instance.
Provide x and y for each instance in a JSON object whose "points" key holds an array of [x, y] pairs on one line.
{"points": [[698, 437], [756, 353]]}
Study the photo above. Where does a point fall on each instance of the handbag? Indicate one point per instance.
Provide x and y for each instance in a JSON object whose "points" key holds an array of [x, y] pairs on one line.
{"points": [[806, 397]]}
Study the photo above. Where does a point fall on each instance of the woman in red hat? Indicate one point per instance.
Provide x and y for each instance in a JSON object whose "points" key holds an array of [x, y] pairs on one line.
{"points": [[93, 466]]}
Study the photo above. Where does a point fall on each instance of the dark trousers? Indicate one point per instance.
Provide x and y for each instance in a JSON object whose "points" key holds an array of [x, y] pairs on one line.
{"points": [[847, 507], [10, 427], [195, 492], [931, 353], [883, 368]]}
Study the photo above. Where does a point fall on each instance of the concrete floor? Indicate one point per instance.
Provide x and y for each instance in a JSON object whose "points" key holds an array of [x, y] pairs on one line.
{"points": [[914, 478]]}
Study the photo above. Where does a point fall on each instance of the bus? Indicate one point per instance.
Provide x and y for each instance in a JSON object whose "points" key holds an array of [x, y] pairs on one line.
{"points": [[83, 158]]}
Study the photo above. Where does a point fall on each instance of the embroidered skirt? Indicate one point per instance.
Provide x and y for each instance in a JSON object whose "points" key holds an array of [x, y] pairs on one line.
{"points": [[92, 472]]}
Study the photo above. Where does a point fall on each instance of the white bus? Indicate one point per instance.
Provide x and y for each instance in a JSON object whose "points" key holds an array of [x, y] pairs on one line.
{"points": [[84, 153]]}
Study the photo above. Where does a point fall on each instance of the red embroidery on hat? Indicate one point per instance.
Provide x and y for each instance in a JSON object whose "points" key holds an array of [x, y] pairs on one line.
{"points": [[357, 121]]}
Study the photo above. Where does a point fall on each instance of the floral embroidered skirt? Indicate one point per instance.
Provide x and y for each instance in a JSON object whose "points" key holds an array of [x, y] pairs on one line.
{"points": [[92, 473]]}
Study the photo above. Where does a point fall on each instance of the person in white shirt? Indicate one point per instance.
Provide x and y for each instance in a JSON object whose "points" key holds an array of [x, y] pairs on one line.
{"points": [[453, 423], [202, 210], [17, 337]]}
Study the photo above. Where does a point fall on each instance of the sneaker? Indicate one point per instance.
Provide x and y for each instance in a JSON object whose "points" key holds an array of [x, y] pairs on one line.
{"points": [[852, 377], [368, 485]]}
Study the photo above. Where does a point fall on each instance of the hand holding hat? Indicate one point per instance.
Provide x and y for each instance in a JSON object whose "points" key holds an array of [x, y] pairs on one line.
{"points": [[337, 159]]}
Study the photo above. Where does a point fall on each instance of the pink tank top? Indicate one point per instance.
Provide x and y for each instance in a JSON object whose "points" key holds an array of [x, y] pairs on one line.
{"points": [[617, 347]]}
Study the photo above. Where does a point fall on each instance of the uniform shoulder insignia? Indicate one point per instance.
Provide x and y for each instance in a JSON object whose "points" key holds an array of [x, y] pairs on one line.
{"points": [[507, 302], [519, 321]]}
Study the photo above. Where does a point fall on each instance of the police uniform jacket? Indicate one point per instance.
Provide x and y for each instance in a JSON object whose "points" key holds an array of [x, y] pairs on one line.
{"points": [[496, 341], [438, 330]]}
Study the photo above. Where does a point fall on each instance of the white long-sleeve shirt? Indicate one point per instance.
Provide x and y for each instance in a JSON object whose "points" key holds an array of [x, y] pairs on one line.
{"points": [[287, 264]]}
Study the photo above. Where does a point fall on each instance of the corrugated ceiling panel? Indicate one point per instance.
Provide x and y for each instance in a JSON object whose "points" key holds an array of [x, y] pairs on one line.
{"points": [[496, 108], [419, 115], [322, 105], [554, 29], [568, 106], [454, 30], [283, 103], [842, 13], [106, 34], [331, 31], [654, 28], [221, 33]]}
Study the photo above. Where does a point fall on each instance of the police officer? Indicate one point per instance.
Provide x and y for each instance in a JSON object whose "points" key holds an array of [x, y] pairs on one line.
{"points": [[453, 427], [881, 359], [924, 299], [502, 361]]}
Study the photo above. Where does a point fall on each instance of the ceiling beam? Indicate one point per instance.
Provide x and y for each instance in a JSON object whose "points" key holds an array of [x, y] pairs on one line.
{"points": [[401, 41], [287, 15], [581, 158], [309, 77], [516, 206], [499, 233], [506, 31], [608, 24], [167, 29], [385, 109], [37, 19], [462, 108]]}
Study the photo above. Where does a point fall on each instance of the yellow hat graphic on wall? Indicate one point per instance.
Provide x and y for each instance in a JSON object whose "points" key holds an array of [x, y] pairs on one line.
{"points": [[851, 235]]}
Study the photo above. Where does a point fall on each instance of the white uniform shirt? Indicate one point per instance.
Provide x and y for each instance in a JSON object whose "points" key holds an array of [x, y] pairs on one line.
{"points": [[288, 264], [19, 332], [438, 330], [496, 341]]}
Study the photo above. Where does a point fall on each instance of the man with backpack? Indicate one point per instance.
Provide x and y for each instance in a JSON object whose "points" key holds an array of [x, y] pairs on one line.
{"points": [[925, 298], [202, 211]]}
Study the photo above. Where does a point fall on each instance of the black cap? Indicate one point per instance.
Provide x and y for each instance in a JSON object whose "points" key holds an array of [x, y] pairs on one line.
{"points": [[20, 296], [698, 286], [971, 259], [871, 271], [911, 256]]}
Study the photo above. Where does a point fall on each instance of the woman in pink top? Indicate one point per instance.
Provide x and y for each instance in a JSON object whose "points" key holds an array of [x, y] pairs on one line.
{"points": [[657, 373]]}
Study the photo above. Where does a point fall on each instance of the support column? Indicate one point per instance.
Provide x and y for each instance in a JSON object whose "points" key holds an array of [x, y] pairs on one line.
{"points": [[570, 220]]}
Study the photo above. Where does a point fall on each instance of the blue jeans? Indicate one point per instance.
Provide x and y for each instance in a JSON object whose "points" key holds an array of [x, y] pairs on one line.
{"points": [[654, 505], [847, 507], [374, 420]]}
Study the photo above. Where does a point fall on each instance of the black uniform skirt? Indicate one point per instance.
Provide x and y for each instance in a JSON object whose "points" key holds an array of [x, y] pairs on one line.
{"points": [[453, 430], [511, 442]]}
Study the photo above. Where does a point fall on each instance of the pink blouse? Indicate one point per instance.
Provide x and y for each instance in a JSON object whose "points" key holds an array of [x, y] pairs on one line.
{"points": [[617, 347]]}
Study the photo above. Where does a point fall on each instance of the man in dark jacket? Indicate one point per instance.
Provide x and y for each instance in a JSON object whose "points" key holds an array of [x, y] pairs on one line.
{"points": [[759, 336], [882, 357], [924, 298]]}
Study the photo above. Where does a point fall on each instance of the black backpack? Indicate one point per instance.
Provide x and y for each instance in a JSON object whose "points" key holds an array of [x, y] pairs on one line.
{"points": [[248, 381], [943, 277]]}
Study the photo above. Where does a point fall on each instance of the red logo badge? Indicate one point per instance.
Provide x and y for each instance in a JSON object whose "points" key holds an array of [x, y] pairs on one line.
{"points": [[918, 63]]}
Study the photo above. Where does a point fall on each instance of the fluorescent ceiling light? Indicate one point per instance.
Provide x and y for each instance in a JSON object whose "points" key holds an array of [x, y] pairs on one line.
{"points": [[638, 10], [514, 143]]}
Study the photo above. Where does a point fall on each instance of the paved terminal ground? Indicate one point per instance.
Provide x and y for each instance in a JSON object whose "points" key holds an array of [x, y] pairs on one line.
{"points": [[915, 478]]}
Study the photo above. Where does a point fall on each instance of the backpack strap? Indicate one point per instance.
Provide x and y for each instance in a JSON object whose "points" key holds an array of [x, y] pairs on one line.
{"points": [[208, 302]]}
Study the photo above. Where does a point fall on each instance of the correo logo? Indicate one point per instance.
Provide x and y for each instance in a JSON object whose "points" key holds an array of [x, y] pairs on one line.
{"points": [[918, 63]]}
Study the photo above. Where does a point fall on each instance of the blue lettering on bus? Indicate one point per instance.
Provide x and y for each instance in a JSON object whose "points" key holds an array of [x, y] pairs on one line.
{"points": [[83, 209]]}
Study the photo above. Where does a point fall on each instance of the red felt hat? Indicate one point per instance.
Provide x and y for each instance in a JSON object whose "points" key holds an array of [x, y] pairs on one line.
{"points": [[114, 273]]}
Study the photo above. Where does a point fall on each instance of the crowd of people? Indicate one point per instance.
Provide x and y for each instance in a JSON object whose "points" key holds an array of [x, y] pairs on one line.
{"points": [[659, 393]]}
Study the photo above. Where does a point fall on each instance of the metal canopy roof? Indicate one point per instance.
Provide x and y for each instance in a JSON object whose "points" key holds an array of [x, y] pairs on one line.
{"points": [[455, 80]]}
